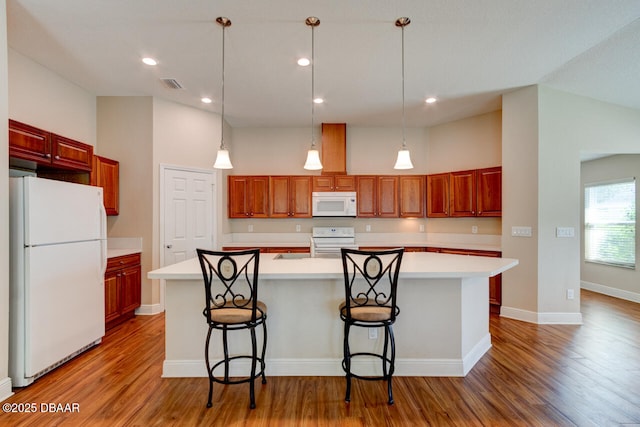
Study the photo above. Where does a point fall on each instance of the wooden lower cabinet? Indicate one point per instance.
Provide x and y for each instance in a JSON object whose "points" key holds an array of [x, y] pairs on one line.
{"points": [[122, 281]]}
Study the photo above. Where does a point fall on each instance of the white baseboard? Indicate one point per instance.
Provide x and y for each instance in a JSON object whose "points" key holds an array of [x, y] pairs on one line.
{"points": [[541, 318], [149, 309], [333, 367], [475, 354], [612, 292], [5, 389]]}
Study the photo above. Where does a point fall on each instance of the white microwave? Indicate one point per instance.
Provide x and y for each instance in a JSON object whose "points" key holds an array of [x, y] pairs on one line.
{"points": [[333, 203]]}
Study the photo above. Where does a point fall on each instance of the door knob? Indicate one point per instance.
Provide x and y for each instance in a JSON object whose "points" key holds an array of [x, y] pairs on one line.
{"points": [[169, 246]]}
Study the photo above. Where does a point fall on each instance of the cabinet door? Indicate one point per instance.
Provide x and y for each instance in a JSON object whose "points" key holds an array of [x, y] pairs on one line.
{"points": [[344, 183], [388, 206], [29, 143], [411, 196], [300, 196], [462, 193], [259, 197], [438, 195], [323, 183], [105, 173], [111, 296], [334, 148], [70, 154], [248, 196], [279, 193], [490, 192], [130, 281], [367, 195]]}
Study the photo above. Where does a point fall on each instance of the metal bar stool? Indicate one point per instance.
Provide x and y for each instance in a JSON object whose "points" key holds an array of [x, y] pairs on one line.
{"points": [[370, 284], [231, 290]]}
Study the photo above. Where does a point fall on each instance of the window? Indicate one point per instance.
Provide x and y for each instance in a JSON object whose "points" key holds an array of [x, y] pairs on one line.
{"points": [[610, 223]]}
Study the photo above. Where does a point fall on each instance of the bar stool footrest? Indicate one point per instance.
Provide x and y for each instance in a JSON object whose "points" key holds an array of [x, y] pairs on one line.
{"points": [[259, 364]]}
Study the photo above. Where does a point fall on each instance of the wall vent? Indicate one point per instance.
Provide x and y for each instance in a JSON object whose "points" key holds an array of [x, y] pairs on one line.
{"points": [[171, 83]]}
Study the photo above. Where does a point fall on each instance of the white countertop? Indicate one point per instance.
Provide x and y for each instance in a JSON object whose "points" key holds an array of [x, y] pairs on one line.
{"points": [[114, 253], [415, 265]]}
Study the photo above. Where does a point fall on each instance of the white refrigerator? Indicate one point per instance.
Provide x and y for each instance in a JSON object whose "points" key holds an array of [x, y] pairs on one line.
{"points": [[58, 260]]}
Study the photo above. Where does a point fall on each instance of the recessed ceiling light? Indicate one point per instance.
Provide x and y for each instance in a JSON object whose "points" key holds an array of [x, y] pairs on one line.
{"points": [[149, 61], [206, 100], [303, 62], [430, 100], [318, 100]]}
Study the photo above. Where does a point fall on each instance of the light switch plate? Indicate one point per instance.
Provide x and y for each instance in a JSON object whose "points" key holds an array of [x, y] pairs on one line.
{"points": [[521, 231], [565, 232]]}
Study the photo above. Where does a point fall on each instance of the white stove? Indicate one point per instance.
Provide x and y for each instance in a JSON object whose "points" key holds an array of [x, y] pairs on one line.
{"points": [[329, 240]]}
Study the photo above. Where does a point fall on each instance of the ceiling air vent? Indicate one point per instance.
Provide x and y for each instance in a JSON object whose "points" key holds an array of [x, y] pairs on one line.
{"points": [[171, 83]]}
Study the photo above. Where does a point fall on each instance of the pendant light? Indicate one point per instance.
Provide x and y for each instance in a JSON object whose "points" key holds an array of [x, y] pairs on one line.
{"points": [[222, 159], [313, 157], [404, 159]]}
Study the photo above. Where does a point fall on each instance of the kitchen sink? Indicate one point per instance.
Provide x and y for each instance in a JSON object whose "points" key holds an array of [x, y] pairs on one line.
{"points": [[292, 255], [304, 255]]}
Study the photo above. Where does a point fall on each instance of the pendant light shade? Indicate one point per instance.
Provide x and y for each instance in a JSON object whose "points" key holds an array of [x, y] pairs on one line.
{"points": [[313, 157], [404, 158], [222, 159], [313, 160]]}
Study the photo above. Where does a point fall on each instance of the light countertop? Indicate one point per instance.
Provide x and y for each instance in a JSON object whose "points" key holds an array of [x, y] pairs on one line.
{"points": [[415, 265], [114, 253]]}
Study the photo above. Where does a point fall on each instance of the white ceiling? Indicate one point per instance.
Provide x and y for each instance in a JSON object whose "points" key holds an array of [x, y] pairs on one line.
{"points": [[465, 52]]}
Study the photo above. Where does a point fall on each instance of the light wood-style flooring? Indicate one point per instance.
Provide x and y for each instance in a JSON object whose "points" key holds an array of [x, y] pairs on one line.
{"points": [[534, 375]]}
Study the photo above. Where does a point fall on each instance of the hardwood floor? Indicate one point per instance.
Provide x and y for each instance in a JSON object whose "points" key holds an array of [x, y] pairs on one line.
{"points": [[533, 375]]}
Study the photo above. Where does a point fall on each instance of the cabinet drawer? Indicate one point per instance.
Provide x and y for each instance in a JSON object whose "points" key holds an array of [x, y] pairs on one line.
{"points": [[124, 261]]}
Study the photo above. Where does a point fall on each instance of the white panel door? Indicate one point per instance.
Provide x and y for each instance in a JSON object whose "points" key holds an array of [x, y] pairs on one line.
{"points": [[188, 214]]}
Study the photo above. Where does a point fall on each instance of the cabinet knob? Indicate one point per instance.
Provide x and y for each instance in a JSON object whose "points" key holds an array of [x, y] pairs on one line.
{"points": [[48, 156], [57, 157]]}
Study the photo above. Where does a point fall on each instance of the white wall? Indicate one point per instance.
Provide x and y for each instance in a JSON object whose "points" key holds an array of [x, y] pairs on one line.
{"points": [[41, 98], [544, 132], [5, 381], [125, 134], [615, 281]]}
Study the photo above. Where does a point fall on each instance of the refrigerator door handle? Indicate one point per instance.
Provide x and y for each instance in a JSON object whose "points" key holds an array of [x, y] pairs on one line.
{"points": [[103, 238]]}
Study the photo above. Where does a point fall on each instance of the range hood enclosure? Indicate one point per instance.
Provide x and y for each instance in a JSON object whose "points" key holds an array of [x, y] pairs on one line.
{"points": [[334, 149]]}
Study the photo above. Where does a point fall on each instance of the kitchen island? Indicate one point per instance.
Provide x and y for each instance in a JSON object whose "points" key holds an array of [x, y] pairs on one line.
{"points": [[442, 329]]}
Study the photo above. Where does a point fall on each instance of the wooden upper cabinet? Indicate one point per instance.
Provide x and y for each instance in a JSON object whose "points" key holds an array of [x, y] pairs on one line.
{"points": [[334, 149], [462, 196], [70, 154], [290, 196], [29, 143], [438, 195], [334, 183], [377, 196], [248, 196], [411, 196], [50, 150], [489, 192], [105, 173]]}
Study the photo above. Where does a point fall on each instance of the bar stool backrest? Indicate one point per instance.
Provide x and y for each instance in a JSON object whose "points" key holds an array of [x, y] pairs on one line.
{"points": [[371, 278], [230, 280]]}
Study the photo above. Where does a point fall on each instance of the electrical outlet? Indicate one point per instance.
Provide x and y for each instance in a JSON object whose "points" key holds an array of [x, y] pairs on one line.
{"points": [[298, 227], [422, 228], [250, 228], [373, 333], [570, 294], [474, 229], [367, 227]]}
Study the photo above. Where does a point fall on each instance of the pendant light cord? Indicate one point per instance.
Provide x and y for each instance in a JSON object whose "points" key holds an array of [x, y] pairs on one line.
{"points": [[404, 143], [222, 147], [313, 64]]}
